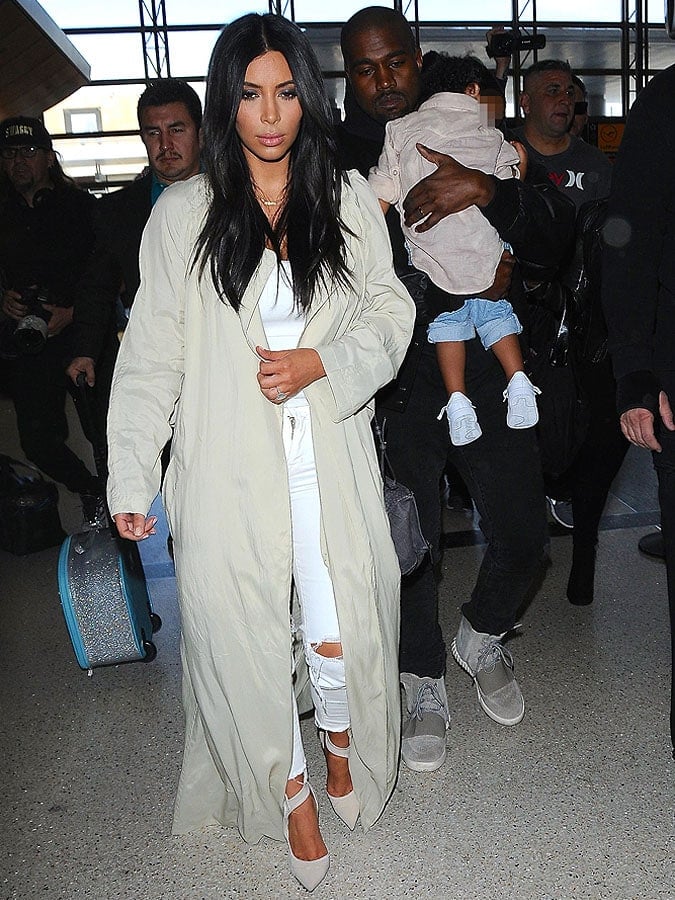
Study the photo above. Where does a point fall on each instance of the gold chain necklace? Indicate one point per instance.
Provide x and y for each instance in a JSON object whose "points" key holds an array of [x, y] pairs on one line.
{"points": [[262, 197]]}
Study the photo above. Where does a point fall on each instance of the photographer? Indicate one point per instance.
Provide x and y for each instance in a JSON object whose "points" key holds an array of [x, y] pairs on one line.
{"points": [[46, 239]]}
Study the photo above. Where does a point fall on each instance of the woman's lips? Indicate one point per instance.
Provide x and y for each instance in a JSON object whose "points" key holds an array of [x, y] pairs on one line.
{"points": [[271, 140]]}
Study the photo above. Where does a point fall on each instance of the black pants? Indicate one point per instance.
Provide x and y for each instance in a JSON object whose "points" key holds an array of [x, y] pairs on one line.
{"points": [[38, 386], [503, 474], [600, 456], [664, 463]]}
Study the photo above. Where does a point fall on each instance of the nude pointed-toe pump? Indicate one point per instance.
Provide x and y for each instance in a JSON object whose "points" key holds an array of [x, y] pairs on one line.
{"points": [[309, 872]]}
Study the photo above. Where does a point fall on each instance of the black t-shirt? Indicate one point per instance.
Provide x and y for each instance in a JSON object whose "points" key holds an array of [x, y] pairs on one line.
{"points": [[582, 172]]}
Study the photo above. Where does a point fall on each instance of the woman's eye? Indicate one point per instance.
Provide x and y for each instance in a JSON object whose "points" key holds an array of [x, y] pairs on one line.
{"points": [[248, 95], [289, 94]]}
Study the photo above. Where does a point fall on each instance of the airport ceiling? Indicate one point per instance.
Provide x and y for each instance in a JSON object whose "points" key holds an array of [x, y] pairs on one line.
{"points": [[39, 66], [586, 47]]}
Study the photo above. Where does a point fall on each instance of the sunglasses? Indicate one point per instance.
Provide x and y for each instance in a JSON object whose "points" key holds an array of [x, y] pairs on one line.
{"points": [[23, 152]]}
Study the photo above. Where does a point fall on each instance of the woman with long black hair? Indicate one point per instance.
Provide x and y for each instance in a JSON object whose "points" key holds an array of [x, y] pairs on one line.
{"points": [[268, 315]]}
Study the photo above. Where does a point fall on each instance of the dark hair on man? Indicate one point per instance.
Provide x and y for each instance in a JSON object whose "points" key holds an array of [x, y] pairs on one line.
{"points": [[377, 17], [545, 65], [235, 230], [171, 90], [452, 74]]}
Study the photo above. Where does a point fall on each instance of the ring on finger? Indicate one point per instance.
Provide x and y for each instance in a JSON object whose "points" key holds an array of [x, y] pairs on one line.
{"points": [[281, 396]]}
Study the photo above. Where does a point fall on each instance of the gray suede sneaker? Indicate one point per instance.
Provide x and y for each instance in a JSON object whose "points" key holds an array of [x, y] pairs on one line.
{"points": [[491, 667], [425, 721]]}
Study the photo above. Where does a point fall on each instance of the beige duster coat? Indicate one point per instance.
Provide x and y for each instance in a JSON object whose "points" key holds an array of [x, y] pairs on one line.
{"points": [[188, 361]]}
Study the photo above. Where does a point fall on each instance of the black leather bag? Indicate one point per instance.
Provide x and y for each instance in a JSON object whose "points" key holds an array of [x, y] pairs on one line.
{"points": [[404, 521], [29, 509], [552, 366]]}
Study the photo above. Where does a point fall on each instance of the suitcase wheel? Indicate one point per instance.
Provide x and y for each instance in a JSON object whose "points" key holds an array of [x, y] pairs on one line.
{"points": [[155, 621], [150, 651]]}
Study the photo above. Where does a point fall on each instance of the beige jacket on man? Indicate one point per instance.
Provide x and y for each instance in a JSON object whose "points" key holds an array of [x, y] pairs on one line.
{"points": [[188, 360]]}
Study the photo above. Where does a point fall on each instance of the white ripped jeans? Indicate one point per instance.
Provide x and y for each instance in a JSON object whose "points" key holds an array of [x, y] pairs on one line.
{"points": [[312, 583]]}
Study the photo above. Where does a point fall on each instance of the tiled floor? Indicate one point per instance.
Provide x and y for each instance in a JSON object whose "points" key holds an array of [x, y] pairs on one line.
{"points": [[576, 802]]}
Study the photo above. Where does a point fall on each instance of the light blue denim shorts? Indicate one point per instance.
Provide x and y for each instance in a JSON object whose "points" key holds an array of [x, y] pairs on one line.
{"points": [[491, 320]]}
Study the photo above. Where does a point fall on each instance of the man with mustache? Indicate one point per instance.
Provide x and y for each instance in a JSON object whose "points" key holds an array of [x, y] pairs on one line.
{"points": [[501, 469], [169, 119]]}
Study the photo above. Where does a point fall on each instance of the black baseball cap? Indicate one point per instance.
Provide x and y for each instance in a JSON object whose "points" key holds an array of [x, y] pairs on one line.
{"points": [[22, 131]]}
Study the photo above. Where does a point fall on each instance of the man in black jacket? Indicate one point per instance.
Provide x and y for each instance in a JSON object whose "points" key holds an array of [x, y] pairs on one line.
{"points": [[501, 468], [169, 119], [638, 293], [46, 241]]}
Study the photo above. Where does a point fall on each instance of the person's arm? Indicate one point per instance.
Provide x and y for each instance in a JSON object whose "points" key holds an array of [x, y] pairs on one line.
{"points": [[537, 219], [533, 215], [384, 178], [633, 241], [95, 297], [149, 370], [502, 63]]}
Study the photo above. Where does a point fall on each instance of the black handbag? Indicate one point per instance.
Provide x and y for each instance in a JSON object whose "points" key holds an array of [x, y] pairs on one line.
{"points": [[399, 501], [29, 509], [552, 366]]}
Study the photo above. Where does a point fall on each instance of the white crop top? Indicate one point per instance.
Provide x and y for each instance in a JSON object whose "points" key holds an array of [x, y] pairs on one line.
{"points": [[283, 323]]}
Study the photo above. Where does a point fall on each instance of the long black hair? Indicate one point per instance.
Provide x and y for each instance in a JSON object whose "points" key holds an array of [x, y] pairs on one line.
{"points": [[235, 230]]}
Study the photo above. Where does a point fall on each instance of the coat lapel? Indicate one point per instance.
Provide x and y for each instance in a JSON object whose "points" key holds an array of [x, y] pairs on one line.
{"points": [[249, 316]]}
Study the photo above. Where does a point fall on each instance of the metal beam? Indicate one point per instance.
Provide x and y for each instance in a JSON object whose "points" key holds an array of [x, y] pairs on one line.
{"points": [[155, 38]]}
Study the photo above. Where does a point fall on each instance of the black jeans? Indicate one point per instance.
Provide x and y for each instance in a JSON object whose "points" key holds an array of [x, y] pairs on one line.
{"points": [[664, 463], [38, 386], [503, 474], [598, 460], [600, 456]]}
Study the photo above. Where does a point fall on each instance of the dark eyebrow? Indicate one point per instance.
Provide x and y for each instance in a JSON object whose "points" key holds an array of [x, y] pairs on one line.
{"points": [[276, 87], [170, 125], [366, 60]]}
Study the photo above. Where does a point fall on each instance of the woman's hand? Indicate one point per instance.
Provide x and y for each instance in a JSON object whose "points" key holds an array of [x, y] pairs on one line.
{"points": [[135, 526], [283, 373]]}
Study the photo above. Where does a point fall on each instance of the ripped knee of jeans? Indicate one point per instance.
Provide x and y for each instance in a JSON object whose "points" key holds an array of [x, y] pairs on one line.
{"points": [[328, 687]]}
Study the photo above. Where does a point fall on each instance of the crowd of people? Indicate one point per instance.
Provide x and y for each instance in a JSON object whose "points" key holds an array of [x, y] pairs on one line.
{"points": [[242, 329]]}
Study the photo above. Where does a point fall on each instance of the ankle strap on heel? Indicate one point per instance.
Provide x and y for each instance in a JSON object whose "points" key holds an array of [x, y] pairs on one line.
{"points": [[331, 747], [292, 803]]}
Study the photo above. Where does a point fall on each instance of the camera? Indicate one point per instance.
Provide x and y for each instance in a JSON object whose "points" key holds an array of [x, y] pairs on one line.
{"points": [[508, 42], [30, 335]]}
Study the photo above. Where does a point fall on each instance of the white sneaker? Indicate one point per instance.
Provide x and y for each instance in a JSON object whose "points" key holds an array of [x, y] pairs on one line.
{"points": [[462, 420], [521, 396]]}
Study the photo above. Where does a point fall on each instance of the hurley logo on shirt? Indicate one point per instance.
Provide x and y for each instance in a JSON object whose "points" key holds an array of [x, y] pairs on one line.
{"points": [[567, 179]]}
